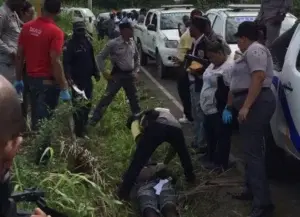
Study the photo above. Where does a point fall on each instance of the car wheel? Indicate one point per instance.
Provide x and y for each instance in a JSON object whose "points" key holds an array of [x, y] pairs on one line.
{"points": [[161, 68], [274, 156], [143, 56]]}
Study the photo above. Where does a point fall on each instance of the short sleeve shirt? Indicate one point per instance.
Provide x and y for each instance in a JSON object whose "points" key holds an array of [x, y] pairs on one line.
{"points": [[210, 85], [38, 38], [256, 58]]}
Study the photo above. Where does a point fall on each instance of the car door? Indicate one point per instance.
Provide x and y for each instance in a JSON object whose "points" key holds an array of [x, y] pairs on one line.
{"points": [[289, 92], [219, 26], [152, 36]]}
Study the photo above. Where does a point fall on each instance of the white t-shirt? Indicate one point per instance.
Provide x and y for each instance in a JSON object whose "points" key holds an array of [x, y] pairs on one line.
{"points": [[210, 85]]}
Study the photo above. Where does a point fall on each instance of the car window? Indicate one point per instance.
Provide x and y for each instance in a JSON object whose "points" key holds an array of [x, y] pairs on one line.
{"points": [[232, 24], [218, 25], [148, 18], [154, 20], [211, 17], [171, 20], [77, 14]]}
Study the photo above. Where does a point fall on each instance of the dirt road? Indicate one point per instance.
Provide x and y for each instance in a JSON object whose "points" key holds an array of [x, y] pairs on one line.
{"points": [[217, 203]]}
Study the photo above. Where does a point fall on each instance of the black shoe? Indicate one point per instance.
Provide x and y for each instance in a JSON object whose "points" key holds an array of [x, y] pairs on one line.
{"points": [[262, 212], [244, 196]]}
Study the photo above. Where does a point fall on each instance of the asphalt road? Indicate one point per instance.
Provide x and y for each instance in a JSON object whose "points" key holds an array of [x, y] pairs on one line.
{"points": [[285, 191]]}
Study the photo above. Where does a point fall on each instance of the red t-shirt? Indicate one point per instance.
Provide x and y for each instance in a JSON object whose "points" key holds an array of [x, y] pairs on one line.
{"points": [[38, 38]]}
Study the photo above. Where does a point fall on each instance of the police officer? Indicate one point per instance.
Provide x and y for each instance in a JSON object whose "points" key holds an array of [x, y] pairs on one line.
{"points": [[10, 28], [125, 60], [80, 67], [251, 95], [150, 129], [272, 13]]}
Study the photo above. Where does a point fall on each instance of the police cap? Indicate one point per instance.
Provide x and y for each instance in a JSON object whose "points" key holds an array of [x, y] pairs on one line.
{"points": [[248, 29], [79, 25]]}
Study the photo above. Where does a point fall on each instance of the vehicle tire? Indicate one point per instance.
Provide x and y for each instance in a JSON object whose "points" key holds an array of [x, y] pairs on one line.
{"points": [[274, 156], [143, 56], [161, 68]]}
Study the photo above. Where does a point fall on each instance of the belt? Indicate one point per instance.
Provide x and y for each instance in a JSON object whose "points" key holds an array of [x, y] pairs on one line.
{"points": [[245, 92]]}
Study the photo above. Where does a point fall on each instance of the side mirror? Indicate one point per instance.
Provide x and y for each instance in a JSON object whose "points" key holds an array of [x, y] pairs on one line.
{"points": [[151, 27]]}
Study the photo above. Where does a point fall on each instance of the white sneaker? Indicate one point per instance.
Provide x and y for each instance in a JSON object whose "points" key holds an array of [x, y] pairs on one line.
{"points": [[184, 120]]}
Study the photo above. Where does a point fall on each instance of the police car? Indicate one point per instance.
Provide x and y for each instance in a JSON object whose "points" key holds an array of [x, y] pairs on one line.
{"points": [[225, 21], [158, 36]]}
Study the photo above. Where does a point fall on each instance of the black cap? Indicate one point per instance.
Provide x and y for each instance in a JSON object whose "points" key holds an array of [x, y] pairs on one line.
{"points": [[125, 25], [79, 25], [200, 22], [247, 29]]}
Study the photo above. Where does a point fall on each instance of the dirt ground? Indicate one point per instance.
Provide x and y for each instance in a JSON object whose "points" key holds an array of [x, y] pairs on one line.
{"points": [[212, 199]]}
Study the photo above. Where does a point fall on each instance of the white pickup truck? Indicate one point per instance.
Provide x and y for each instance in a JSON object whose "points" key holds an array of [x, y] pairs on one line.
{"points": [[158, 36], [285, 123]]}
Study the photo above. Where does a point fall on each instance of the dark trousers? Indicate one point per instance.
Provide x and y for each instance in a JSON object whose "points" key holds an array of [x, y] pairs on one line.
{"points": [[218, 137], [183, 87], [252, 136], [125, 81], [82, 108], [44, 97], [154, 135]]}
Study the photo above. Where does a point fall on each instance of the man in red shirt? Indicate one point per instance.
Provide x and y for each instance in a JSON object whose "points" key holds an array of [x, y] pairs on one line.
{"points": [[40, 46]]}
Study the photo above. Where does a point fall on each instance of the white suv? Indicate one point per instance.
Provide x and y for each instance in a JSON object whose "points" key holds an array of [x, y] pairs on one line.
{"points": [[158, 36], [225, 21]]}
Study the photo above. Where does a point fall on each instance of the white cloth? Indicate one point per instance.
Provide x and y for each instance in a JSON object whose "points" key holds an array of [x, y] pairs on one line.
{"points": [[160, 185], [210, 85]]}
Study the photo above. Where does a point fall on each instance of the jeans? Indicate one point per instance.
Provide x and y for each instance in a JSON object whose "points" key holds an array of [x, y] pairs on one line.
{"points": [[199, 140], [113, 86], [218, 137], [252, 134], [83, 109], [184, 93], [154, 135], [44, 97]]}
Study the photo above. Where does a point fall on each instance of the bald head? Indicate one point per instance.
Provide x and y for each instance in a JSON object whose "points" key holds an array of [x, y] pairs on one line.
{"points": [[11, 118]]}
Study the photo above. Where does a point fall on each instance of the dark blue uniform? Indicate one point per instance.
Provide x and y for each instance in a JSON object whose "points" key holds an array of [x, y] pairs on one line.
{"points": [[80, 67]]}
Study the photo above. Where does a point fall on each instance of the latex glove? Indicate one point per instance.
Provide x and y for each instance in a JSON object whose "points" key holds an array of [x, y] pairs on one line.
{"points": [[19, 86], [65, 95], [227, 116]]}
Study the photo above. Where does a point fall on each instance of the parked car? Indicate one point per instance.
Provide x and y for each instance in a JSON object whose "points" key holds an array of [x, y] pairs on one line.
{"points": [[225, 21], [158, 36], [85, 15], [127, 10]]}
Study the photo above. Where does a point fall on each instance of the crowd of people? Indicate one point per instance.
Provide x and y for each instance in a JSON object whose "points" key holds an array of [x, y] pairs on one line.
{"points": [[110, 27], [217, 93]]}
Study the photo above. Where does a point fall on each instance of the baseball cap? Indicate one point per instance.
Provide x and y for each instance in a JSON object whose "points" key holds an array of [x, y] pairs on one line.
{"points": [[246, 29], [79, 25]]}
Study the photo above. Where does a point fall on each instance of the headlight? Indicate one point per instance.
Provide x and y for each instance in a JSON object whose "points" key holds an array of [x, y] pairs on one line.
{"points": [[171, 44]]}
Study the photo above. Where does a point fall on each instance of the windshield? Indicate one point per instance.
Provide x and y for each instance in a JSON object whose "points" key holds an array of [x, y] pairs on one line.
{"points": [[88, 12], [232, 24], [171, 20]]}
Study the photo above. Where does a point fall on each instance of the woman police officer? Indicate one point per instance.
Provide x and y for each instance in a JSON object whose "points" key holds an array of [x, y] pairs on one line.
{"points": [[251, 95]]}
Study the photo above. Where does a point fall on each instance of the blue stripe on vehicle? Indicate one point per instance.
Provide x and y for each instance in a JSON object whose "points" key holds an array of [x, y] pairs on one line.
{"points": [[295, 137]]}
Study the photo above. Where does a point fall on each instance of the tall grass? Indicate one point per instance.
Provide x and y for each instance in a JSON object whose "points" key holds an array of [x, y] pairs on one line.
{"points": [[82, 176]]}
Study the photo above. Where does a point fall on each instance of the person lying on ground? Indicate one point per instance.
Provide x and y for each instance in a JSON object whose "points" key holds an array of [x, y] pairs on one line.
{"points": [[150, 129], [12, 125], [155, 194]]}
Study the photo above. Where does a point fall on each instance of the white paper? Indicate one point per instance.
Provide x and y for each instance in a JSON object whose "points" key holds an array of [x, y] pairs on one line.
{"points": [[160, 185]]}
